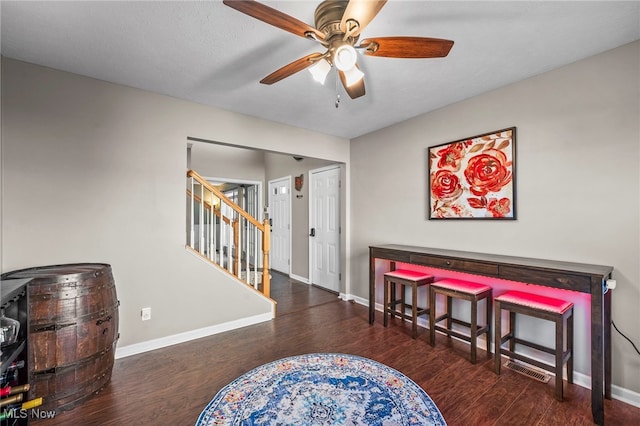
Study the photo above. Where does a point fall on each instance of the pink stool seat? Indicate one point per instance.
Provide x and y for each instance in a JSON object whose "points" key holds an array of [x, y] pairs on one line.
{"points": [[461, 286], [406, 274], [535, 301]]}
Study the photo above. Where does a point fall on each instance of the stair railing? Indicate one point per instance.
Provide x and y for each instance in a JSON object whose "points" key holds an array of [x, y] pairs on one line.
{"points": [[223, 233]]}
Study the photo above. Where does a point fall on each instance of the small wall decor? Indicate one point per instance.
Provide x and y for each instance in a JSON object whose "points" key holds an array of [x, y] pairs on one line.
{"points": [[473, 178], [299, 180]]}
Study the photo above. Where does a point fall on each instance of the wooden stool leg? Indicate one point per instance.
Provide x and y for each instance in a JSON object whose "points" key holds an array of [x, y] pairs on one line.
{"points": [[432, 316], [497, 336], [488, 306], [385, 302], [474, 329], [449, 312], [559, 350], [402, 301], [393, 294], [570, 347], [512, 331], [414, 311]]}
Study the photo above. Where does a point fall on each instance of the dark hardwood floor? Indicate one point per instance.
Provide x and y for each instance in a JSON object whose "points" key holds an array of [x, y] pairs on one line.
{"points": [[171, 386]]}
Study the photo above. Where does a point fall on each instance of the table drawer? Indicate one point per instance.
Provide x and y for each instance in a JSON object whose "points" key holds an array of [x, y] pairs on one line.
{"points": [[455, 264], [549, 278], [391, 255]]}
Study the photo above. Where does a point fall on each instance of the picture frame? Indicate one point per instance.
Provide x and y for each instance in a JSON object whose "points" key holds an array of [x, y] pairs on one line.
{"points": [[473, 178]]}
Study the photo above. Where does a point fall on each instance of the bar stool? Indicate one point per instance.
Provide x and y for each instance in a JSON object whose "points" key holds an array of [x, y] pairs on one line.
{"points": [[413, 279], [537, 306], [465, 290]]}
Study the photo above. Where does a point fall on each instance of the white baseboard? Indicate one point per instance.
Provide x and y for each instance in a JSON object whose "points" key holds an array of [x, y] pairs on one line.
{"points": [[621, 394], [617, 392], [162, 342], [358, 300], [625, 395], [301, 279]]}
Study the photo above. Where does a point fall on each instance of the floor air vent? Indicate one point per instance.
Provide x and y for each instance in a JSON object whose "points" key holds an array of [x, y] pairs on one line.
{"points": [[527, 371]]}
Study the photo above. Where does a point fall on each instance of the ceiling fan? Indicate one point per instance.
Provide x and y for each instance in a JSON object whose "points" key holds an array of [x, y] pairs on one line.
{"points": [[338, 24]]}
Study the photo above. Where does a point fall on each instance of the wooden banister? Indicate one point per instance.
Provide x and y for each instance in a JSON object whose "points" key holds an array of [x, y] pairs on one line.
{"points": [[234, 256], [219, 194], [208, 206]]}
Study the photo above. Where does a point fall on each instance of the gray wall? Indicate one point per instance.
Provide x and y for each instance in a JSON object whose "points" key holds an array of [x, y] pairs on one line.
{"points": [[578, 184], [95, 172], [214, 160]]}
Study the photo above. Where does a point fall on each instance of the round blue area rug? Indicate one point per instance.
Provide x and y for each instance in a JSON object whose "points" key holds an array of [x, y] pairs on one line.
{"points": [[322, 389]]}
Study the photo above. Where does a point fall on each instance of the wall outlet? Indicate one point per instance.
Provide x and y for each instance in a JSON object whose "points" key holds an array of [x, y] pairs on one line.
{"points": [[145, 313]]}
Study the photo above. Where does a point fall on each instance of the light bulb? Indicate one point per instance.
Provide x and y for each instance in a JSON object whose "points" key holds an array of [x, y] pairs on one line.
{"points": [[320, 70], [353, 75], [345, 57]]}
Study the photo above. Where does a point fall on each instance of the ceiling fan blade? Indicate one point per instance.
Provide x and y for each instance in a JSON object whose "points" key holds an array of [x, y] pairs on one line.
{"points": [[407, 47], [355, 90], [361, 11], [291, 68], [273, 17]]}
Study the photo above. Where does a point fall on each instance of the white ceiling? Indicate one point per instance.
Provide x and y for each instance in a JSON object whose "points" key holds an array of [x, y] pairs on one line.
{"points": [[209, 53]]}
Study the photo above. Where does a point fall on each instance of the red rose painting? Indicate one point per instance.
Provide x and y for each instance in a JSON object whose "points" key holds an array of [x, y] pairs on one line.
{"points": [[445, 186], [451, 156], [473, 178]]}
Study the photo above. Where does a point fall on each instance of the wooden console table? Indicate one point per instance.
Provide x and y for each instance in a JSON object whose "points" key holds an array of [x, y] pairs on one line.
{"points": [[579, 277]]}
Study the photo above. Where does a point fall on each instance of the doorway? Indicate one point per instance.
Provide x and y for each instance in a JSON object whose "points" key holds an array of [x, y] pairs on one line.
{"points": [[280, 220], [324, 221]]}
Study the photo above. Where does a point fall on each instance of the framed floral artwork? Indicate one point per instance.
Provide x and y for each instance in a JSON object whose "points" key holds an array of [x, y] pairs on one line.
{"points": [[474, 178]]}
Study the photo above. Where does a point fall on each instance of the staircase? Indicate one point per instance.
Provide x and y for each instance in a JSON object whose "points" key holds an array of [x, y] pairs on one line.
{"points": [[224, 234]]}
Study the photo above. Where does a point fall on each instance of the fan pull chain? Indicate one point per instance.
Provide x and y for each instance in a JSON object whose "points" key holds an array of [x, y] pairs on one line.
{"points": [[337, 94]]}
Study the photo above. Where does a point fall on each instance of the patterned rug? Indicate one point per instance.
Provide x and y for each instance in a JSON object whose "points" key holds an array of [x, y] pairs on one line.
{"points": [[322, 389]]}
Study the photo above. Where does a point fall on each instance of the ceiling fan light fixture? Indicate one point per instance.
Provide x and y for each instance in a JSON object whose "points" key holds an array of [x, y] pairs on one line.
{"points": [[338, 26], [353, 75], [320, 70], [345, 57]]}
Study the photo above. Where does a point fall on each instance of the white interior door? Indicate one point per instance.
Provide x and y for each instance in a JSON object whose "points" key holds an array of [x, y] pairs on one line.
{"points": [[325, 227], [280, 218]]}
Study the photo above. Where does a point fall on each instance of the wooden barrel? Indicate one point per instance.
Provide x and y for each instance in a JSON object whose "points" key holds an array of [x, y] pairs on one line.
{"points": [[73, 331]]}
